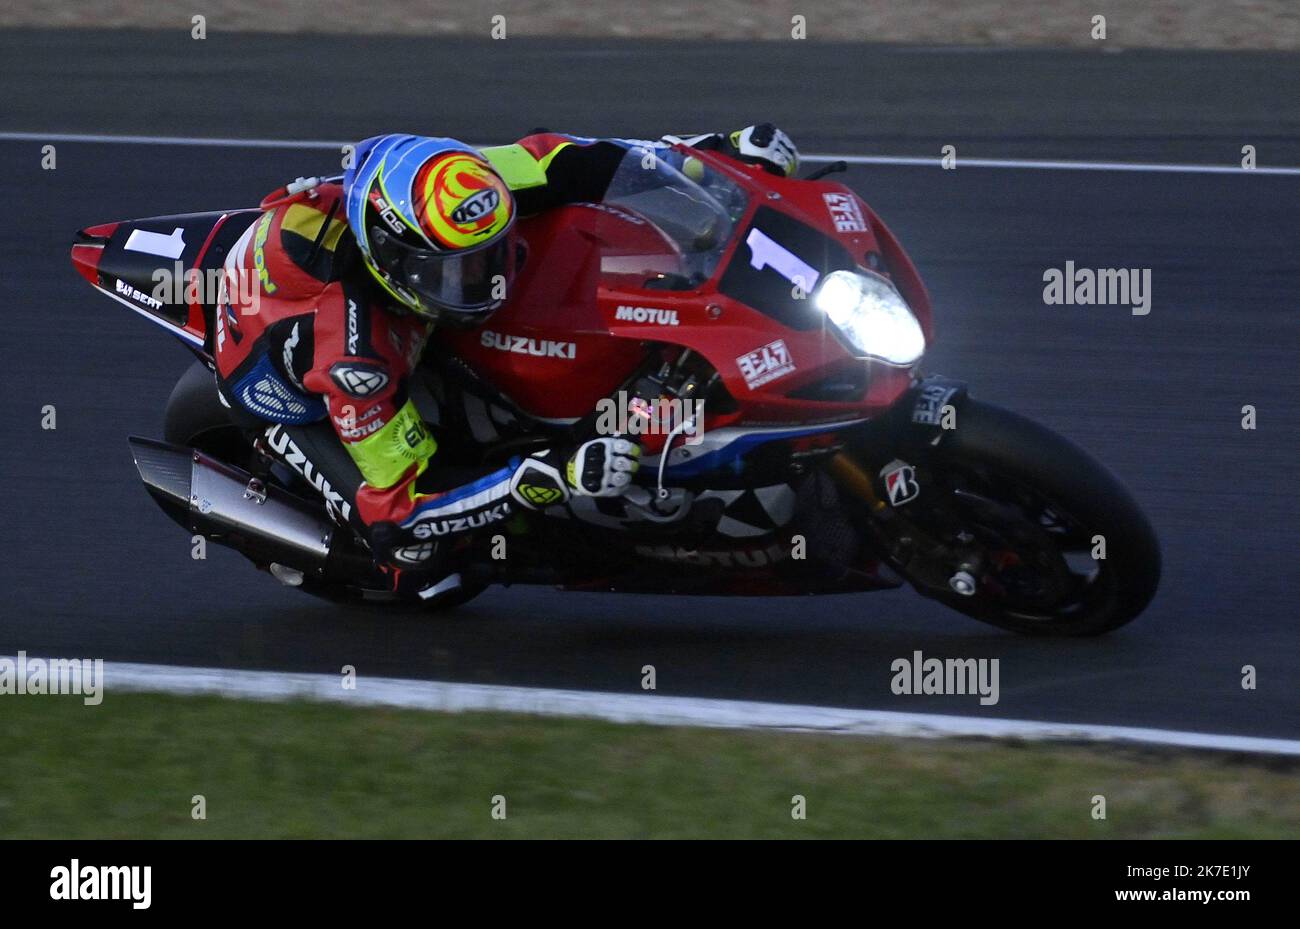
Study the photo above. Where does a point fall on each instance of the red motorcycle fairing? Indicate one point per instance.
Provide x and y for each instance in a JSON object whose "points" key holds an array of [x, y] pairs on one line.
{"points": [[549, 348], [591, 300]]}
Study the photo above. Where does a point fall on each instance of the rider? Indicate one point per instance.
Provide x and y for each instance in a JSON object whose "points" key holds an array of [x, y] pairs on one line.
{"points": [[352, 279]]}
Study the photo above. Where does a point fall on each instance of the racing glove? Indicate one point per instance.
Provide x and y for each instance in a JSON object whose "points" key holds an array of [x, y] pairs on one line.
{"points": [[763, 144], [599, 468]]}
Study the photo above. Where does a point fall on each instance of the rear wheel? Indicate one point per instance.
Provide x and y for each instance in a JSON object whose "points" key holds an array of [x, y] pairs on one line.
{"points": [[1019, 528], [196, 418]]}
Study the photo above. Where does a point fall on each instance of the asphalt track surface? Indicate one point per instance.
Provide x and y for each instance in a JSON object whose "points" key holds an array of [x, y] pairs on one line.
{"points": [[93, 569]]}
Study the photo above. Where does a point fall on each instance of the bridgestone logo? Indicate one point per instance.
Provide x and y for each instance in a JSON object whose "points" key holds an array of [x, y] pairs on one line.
{"points": [[646, 314]]}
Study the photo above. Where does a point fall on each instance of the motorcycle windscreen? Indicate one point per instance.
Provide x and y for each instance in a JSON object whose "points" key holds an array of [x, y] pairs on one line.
{"points": [[693, 216]]}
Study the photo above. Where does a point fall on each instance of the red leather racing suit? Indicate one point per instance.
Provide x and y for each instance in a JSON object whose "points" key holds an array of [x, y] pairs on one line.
{"points": [[320, 342]]}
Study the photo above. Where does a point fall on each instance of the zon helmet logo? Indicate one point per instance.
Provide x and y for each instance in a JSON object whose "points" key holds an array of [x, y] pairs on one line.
{"points": [[259, 252]]}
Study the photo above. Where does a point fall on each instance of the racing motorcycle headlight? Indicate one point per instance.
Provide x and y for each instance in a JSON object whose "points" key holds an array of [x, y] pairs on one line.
{"points": [[872, 316]]}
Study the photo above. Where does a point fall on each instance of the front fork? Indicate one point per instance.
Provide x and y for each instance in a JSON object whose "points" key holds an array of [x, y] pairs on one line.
{"points": [[855, 481], [916, 424]]}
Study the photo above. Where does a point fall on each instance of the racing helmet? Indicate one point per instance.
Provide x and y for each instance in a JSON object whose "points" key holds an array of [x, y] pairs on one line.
{"points": [[434, 223]]}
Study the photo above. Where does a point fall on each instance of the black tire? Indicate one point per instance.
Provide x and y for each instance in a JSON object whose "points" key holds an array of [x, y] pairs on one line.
{"points": [[345, 594], [1011, 451], [196, 418]]}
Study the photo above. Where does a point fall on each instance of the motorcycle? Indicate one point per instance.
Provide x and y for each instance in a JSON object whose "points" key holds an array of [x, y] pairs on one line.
{"points": [[761, 336]]}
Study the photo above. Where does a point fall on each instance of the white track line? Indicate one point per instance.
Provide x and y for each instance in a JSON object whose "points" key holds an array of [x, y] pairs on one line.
{"points": [[888, 160], [1040, 165], [167, 140], [644, 708]]}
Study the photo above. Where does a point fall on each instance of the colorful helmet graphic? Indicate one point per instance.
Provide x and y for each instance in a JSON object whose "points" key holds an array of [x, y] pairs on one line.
{"points": [[434, 222]]}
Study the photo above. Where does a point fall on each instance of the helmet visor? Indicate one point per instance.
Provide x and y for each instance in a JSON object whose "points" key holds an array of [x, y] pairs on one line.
{"points": [[467, 280]]}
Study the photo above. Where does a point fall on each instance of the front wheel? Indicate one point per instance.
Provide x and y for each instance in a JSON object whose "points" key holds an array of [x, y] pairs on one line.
{"points": [[1017, 527]]}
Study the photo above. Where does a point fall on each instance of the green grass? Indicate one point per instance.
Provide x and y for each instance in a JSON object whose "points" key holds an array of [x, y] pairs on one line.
{"points": [[129, 768]]}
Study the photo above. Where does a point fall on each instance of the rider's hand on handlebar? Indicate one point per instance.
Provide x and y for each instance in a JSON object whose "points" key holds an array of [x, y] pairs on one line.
{"points": [[599, 468], [766, 145], [603, 467]]}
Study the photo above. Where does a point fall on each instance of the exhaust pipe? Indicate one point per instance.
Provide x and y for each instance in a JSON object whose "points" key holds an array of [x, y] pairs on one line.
{"points": [[231, 507]]}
